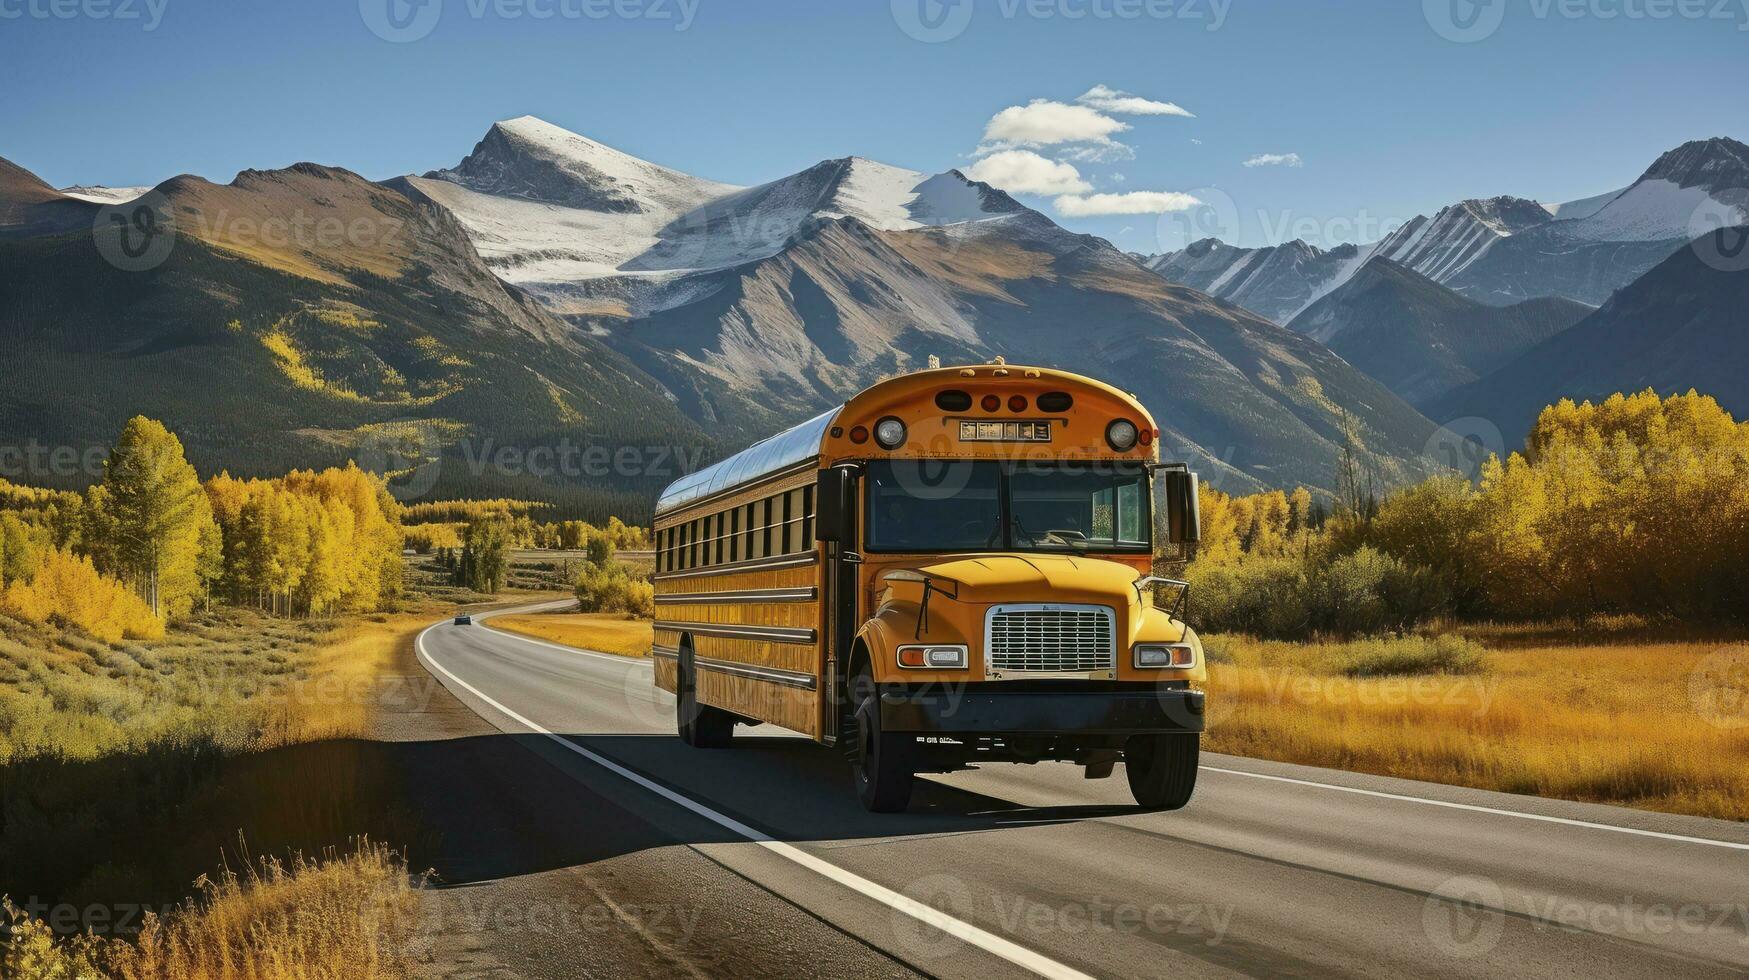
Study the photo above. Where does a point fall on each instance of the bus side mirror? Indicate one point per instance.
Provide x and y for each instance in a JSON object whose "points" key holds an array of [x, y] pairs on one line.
{"points": [[1183, 509], [835, 505]]}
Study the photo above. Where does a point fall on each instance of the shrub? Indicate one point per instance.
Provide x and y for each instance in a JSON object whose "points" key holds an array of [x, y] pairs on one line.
{"points": [[612, 588], [598, 549], [67, 588], [1444, 654], [427, 538], [1261, 596]]}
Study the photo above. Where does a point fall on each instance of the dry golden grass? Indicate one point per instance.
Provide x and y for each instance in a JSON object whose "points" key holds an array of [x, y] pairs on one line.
{"points": [[1621, 718], [605, 632], [343, 917], [233, 722], [335, 697]]}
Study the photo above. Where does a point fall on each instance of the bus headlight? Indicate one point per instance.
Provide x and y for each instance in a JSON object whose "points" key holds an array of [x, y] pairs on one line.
{"points": [[1121, 435], [890, 433], [1175, 655], [938, 656]]}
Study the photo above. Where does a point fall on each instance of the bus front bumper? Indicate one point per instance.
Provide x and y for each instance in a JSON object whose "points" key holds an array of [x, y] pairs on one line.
{"points": [[979, 710]]}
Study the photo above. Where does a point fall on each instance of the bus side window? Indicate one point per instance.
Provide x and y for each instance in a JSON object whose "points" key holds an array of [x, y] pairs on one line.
{"points": [[807, 518], [792, 521], [764, 543]]}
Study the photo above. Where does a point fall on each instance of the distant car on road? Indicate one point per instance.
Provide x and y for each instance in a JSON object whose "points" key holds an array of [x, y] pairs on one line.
{"points": [[464, 619]]}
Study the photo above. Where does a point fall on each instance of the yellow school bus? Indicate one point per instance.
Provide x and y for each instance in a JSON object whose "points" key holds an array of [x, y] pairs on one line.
{"points": [[952, 568]]}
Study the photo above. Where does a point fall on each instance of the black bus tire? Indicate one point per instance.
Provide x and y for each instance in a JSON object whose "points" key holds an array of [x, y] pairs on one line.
{"points": [[701, 725], [883, 766], [1162, 769]]}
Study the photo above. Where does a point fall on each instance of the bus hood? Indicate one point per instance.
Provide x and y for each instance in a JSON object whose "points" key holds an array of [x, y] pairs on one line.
{"points": [[1036, 578]]}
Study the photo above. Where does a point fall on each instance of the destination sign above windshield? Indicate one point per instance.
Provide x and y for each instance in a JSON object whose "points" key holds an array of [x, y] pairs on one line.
{"points": [[1005, 431]]}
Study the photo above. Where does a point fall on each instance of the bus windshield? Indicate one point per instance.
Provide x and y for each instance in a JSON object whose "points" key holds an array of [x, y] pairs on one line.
{"points": [[960, 505]]}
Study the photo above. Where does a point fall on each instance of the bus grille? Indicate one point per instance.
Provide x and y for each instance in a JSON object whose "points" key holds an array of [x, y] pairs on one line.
{"points": [[1053, 639]]}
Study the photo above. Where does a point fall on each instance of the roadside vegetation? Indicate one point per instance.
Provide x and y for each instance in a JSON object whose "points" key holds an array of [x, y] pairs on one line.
{"points": [[616, 633], [1637, 506], [187, 673], [1573, 626], [350, 916], [1620, 715], [616, 603]]}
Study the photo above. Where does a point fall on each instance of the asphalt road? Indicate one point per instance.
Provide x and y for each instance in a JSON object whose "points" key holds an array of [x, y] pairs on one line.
{"points": [[1272, 870]]}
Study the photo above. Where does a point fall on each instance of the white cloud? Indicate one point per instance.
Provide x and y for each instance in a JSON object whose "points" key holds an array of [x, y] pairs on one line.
{"points": [[1043, 122], [1133, 202], [1196, 141], [1275, 160], [1104, 153], [1123, 103], [1025, 172]]}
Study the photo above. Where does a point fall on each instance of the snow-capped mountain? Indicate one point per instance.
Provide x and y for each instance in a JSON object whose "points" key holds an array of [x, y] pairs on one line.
{"points": [[594, 231], [1500, 250], [1696, 181], [1276, 282], [753, 307], [1678, 327], [1443, 246], [98, 194]]}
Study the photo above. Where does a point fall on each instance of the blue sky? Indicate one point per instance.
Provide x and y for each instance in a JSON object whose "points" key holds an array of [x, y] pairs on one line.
{"points": [[1388, 116]]}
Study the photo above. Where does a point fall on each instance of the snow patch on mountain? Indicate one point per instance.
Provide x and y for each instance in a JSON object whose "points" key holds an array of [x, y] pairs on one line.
{"points": [[1584, 207], [99, 194], [1649, 211], [555, 212]]}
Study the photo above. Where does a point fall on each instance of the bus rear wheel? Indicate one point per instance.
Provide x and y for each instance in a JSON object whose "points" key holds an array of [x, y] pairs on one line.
{"points": [[882, 764], [1162, 769], [700, 725]]}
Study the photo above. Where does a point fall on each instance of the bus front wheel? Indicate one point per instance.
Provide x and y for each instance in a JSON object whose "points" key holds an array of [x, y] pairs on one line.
{"points": [[883, 760], [700, 725], [1162, 769]]}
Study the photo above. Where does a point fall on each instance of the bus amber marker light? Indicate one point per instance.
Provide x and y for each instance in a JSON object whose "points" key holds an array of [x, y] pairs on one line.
{"points": [[1165, 655], [938, 657]]}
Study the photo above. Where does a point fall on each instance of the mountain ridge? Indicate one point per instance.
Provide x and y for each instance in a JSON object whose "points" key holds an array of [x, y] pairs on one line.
{"points": [[1505, 249], [1421, 339], [1679, 327]]}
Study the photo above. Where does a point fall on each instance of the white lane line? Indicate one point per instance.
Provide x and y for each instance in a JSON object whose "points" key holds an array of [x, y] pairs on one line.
{"points": [[1567, 821], [966, 932]]}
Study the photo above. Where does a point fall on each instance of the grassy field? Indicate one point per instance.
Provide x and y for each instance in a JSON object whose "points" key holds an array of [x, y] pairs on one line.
{"points": [[605, 632], [129, 770], [352, 916], [1620, 714]]}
